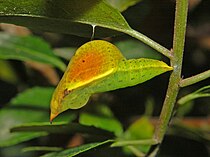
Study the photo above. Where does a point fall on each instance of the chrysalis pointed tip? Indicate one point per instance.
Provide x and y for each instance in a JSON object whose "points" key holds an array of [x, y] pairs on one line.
{"points": [[52, 116], [170, 68]]}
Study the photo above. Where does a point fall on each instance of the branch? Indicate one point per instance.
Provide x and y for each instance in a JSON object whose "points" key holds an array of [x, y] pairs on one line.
{"points": [[194, 79], [176, 61]]}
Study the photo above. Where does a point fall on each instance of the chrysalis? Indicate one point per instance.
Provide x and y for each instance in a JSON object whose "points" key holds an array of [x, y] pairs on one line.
{"points": [[98, 66]]}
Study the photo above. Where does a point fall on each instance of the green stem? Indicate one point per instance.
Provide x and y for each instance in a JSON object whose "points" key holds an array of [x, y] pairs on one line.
{"points": [[176, 62], [192, 96], [136, 151], [154, 152], [149, 42], [194, 79], [202, 92]]}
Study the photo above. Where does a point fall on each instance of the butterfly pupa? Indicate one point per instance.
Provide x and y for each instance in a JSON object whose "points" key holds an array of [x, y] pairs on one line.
{"points": [[98, 66], [92, 61]]}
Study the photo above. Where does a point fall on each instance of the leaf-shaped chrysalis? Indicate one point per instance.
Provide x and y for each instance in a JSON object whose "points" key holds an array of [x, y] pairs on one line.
{"points": [[98, 66]]}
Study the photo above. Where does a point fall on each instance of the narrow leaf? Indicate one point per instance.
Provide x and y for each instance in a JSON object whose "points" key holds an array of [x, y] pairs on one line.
{"points": [[109, 124], [11, 117], [7, 72], [41, 148], [60, 128], [65, 16], [77, 150], [28, 48], [141, 131], [200, 93], [28, 107], [36, 97]]}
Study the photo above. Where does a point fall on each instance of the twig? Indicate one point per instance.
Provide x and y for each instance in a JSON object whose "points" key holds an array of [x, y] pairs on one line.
{"points": [[194, 79]]}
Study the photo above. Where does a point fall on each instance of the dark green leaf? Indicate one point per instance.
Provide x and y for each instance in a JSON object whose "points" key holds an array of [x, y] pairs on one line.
{"points": [[110, 124], [41, 148], [103, 110], [184, 109], [77, 150], [60, 127], [66, 16], [36, 97], [7, 72], [28, 48], [141, 129], [36, 101], [10, 117], [39, 98]]}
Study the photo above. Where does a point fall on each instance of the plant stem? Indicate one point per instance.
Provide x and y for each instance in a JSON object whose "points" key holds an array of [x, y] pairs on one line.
{"points": [[194, 79], [149, 42], [176, 62], [136, 151], [154, 152], [192, 96], [202, 92]]}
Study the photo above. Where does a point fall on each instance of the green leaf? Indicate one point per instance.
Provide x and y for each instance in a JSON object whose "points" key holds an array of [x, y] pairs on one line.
{"points": [[7, 72], [10, 117], [122, 5], [36, 101], [41, 148], [102, 110], [109, 124], [28, 48], [77, 150], [149, 106], [201, 93], [184, 109], [61, 128], [135, 49], [65, 16], [36, 97], [141, 129]]}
